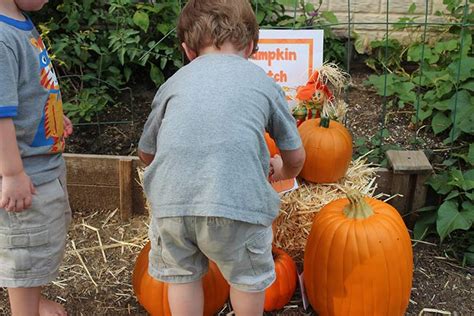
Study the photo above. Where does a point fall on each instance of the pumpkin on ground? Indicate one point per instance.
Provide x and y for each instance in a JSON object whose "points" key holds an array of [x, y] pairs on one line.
{"points": [[328, 147], [282, 290], [153, 294], [358, 259], [272, 147]]}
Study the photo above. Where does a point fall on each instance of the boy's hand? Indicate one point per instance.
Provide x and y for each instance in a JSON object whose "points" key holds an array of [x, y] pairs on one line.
{"points": [[68, 129], [276, 165], [16, 194]]}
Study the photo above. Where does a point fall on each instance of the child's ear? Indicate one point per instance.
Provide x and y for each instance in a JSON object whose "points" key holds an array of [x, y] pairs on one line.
{"points": [[191, 54], [249, 49]]}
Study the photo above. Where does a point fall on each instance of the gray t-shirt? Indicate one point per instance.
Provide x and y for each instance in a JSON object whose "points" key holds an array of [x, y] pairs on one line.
{"points": [[206, 130], [29, 94]]}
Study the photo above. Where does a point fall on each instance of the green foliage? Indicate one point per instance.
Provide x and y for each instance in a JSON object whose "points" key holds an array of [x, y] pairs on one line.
{"points": [[374, 148], [436, 80], [102, 46], [302, 14]]}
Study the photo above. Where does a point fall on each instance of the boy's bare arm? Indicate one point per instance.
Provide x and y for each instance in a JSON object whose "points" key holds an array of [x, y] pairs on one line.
{"points": [[288, 165], [17, 188], [145, 158]]}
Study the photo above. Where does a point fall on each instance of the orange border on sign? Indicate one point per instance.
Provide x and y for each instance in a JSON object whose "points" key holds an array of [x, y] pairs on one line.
{"points": [[307, 41]]}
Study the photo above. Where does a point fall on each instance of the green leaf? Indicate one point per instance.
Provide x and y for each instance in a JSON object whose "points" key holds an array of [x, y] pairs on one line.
{"points": [[468, 210], [141, 19], [464, 69], [452, 194], [470, 195], [412, 8], [450, 219], [424, 114], [468, 180], [468, 258], [468, 85], [440, 122], [288, 3], [329, 16], [439, 183], [260, 16], [443, 46], [470, 155], [423, 224], [156, 75]]}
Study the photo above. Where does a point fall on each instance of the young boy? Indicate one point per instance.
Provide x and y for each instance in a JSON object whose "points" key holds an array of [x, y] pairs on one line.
{"points": [[209, 164], [34, 208]]}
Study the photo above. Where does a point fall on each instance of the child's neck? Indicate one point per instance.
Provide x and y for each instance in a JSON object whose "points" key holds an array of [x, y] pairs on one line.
{"points": [[226, 48], [9, 8]]}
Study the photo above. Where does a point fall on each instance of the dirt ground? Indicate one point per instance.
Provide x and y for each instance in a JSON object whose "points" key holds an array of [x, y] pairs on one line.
{"points": [[94, 282]]}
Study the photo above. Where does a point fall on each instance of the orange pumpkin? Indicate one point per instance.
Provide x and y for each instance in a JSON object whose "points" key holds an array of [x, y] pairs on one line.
{"points": [[281, 291], [153, 294], [328, 147], [272, 147], [358, 259]]}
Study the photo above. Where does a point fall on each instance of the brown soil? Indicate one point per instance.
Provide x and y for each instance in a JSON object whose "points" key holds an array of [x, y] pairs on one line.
{"points": [[438, 283]]}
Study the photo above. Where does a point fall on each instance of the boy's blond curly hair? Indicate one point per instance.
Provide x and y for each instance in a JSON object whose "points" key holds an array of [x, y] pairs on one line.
{"points": [[204, 23]]}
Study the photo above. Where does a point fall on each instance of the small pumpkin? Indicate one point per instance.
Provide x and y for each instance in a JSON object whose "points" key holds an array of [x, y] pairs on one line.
{"points": [[358, 259], [153, 294], [272, 147], [282, 290], [328, 147]]}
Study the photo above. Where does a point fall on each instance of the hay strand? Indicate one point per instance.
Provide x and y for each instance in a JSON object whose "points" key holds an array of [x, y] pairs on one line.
{"points": [[82, 263]]}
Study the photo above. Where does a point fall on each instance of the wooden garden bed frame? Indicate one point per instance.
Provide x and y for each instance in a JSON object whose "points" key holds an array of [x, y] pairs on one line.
{"points": [[100, 182]]}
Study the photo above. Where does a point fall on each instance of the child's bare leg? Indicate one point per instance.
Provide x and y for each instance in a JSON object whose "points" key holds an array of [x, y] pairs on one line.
{"points": [[186, 299], [28, 301], [50, 308], [24, 301], [247, 303]]}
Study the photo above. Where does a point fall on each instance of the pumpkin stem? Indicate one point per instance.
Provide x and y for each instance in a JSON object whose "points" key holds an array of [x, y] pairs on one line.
{"points": [[357, 207], [324, 122]]}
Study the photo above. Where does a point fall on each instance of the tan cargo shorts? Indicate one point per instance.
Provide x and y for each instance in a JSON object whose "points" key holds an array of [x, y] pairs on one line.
{"points": [[181, 246], [32, 242]]}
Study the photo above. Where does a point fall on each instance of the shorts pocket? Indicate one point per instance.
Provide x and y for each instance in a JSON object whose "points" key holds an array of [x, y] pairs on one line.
{"points": [[259, 249], [25, 251]]}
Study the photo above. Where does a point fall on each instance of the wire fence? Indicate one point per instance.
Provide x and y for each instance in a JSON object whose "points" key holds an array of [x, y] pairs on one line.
{"points": [[425, 28]]}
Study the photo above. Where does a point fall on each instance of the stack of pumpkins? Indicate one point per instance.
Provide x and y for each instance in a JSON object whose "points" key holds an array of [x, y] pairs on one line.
{"points": [[358, 258]]}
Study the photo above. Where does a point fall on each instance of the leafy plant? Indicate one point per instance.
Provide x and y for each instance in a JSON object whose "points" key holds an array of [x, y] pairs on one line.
{"points": [[303, 14], [108, 45], [436, 79]]}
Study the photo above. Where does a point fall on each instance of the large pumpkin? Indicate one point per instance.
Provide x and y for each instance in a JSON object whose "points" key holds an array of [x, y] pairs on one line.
{"points": [[358, 259], [272, 147], [281, 291], [153, 294], [328, 147]]}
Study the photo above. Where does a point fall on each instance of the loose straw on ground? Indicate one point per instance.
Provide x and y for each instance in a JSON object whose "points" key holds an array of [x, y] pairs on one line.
{"points": [[100, 240], [82, 262]]}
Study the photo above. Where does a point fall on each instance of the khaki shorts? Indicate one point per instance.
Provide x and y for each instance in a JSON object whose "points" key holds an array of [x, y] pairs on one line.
{"points": [[32, 242], [181, 246]]}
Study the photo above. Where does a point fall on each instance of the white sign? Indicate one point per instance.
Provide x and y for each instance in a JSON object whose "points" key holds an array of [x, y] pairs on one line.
{"points": [[289, 56]]}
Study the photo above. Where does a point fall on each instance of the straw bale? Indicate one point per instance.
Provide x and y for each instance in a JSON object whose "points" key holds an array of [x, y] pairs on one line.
{"points": [[298, 208]]}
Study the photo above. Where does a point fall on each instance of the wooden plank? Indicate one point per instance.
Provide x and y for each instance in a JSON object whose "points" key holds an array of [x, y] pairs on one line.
{"points": [[418, 198], [93, 197], [125, 181], [91, 169], [408, 162], [401, 185], [383, 181], [138, 196]]}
